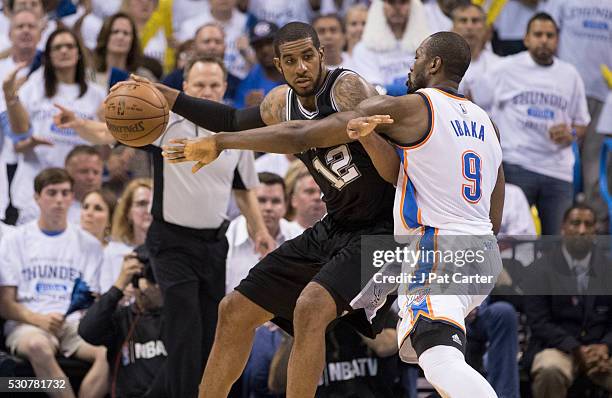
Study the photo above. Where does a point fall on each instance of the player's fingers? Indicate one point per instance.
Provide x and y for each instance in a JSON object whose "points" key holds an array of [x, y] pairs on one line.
{"points": [[61, 108], [171, 156], [197, 167], [139, 79]]}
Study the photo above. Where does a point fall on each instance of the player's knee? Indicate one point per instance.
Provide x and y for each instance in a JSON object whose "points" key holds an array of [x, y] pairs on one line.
{"points": [[37, 348], [314, 310]]}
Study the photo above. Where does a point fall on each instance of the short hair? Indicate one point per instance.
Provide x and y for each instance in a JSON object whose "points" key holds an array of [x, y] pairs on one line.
{"points": [[13, 15], [542, 16], [11, 5], [578, 206], [210, 24], [82, 150], [206, 59], [294, 31], [50, 176], [268, 178], [333, 15], [454, 52], [464, 6]]}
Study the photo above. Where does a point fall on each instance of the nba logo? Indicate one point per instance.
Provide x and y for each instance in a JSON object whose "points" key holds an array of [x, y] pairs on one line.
{"points": [[463, 109], [121, 107]]}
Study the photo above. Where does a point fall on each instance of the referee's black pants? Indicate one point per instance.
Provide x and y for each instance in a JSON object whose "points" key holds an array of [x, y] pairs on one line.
{"points": [[189, 266]]}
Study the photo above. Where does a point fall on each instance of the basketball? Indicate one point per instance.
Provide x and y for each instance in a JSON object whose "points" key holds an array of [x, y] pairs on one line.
{"points": [[136, 114]]}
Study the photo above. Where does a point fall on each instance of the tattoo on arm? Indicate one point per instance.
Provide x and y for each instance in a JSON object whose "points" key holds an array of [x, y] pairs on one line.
{"points": [[273, 107], [350, 90]]}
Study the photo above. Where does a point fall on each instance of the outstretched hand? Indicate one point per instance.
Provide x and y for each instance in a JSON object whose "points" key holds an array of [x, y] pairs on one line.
{"points": [[363, 126], [202, 150], [65, 119]]}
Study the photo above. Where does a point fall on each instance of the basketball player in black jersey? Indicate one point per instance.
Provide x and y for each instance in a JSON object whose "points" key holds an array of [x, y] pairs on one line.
{"points": [[309, 281]]}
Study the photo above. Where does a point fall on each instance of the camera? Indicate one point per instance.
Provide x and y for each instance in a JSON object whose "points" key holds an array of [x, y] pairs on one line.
{"points": [[142, 255]]}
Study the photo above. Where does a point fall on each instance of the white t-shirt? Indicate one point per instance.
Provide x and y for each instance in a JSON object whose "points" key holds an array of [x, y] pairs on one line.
{"points": [[528, 99], [105, 8], [156, 47], [4, 32], [517, 219], [382, 67], [604, 125], [241, 256], [113, 261], [185, 9], [44, 268], [234, 29], [5, 230], [474, 82], [585, 39], [41, 111], [436, 19], [90, 28], [273, 163], [281, 12]]}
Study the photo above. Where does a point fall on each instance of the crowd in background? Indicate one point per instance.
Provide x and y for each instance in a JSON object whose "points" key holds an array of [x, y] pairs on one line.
{"points": [[548, 89]]}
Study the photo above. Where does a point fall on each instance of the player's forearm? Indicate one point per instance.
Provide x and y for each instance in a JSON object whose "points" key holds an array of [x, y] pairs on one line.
{"points": [[383, 157], [290, 137], [18, 116], [216, 116], [94, 132]]}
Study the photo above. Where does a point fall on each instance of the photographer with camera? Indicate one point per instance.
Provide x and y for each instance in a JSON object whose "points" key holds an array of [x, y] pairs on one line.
{"points": [[131, 334]]}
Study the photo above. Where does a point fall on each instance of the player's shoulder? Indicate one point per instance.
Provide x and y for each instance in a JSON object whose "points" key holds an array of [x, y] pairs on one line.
{"points": [[349, 89], [273, 106]]}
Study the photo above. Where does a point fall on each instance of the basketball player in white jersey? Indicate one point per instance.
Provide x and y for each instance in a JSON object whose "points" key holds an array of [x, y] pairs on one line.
{"points": [[449, 182]]}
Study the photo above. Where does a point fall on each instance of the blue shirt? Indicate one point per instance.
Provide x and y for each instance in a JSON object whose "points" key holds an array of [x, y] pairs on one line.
{"points": [[255, 80]]}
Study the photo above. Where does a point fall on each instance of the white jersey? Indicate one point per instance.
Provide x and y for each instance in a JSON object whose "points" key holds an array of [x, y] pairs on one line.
{"points": [[44, 267], [446, 180]]}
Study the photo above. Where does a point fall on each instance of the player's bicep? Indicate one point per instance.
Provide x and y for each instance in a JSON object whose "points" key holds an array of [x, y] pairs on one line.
{"points": [[273, 108], [350, 90], [496, 210]]}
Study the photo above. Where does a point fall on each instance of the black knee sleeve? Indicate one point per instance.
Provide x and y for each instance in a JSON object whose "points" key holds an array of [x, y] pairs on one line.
{"points": [[429, 333]]}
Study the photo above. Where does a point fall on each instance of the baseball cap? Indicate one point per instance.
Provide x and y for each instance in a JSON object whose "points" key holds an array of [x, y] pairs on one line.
{"points": [[261, 31]]}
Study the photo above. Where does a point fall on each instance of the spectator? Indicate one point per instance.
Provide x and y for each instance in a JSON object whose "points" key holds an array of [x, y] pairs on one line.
{"points": [[117, 52], [37, 7], [264, 76], [470, 21], [570, 326], [209, 41], [84, 164], [439, 12], [41, 142], [281, 12], [24, 34], [305, 198], [584, 41], [97, 213], [131, 221], [517, 219], [141, 11], [394, 30], [354, 22], [84, 23], [39, 265], [234, 25], [131, 334], [540, 108], [330, 29], [241, 256]]}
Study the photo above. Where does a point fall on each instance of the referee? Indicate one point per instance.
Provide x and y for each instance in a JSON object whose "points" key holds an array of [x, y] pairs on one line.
{"points": [[186, 239]]}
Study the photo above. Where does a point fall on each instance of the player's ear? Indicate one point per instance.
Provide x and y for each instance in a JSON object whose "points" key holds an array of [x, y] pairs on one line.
{"points": [[277, 63], [436, 65], [322, 53]]}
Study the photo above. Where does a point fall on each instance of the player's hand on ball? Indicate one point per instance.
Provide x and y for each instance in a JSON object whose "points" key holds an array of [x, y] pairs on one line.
{"points": [[202, 150], [363, 126]]}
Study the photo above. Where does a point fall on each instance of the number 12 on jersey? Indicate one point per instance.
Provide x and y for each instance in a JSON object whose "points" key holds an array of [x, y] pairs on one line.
{"points": [[472, 167]]}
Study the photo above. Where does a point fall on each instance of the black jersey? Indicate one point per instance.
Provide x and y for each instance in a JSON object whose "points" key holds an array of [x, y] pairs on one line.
{"points": [[353, 191]]}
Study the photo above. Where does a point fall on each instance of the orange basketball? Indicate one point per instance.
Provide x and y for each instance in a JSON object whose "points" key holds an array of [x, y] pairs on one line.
{"points": [[136, 114]]}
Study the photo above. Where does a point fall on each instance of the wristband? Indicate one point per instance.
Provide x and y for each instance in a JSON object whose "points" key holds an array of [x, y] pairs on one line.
{"points": [[574, 133]]}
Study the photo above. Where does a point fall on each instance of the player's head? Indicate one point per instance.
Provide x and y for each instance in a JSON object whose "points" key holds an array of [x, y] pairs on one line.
{"points": [[205, 77], [542, 38], [442, 57], [299, 57], [53, 194]]}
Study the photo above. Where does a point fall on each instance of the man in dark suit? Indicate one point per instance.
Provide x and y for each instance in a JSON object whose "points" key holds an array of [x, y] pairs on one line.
{"points": [[570, 310]]}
